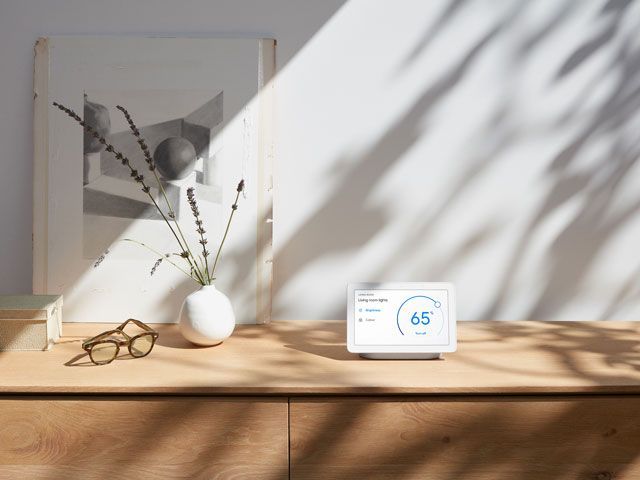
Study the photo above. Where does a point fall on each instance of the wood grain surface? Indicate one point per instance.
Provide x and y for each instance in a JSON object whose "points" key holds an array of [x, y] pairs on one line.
{"points": [[310, 357], [133, 438], [455, 438]]}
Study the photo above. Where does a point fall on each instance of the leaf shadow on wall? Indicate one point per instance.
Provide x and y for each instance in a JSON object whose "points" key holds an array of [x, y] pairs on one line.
{"points": [[577, 246], [346, 221]]}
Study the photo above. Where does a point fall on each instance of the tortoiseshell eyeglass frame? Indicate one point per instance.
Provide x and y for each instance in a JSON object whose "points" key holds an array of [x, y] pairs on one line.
{"points": [[128, 340]]}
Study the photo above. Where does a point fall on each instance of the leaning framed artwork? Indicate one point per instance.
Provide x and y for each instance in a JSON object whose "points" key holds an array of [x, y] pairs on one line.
{"points": [[205, 108]]}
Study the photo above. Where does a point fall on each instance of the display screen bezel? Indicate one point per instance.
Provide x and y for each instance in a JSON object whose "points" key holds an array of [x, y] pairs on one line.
{"points": [[390, 348]]}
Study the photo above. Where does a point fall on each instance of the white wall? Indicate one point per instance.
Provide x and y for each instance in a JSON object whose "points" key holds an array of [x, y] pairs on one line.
{"points": [[492, 144]]}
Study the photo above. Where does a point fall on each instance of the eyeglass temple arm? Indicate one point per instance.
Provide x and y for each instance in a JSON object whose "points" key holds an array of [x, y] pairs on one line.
{"points": [[136, 322], [102, 335], [119, 330]]}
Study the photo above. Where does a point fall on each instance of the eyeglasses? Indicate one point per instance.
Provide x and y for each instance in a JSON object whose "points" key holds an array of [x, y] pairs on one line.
{"points": [[104, 348]]}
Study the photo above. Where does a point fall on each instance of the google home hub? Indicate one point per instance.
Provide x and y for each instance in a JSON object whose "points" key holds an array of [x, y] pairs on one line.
{"points": [[401, 320]]}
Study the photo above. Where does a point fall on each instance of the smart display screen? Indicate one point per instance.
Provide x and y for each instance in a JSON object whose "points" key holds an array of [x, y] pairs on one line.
{"points": [[401, 317]]}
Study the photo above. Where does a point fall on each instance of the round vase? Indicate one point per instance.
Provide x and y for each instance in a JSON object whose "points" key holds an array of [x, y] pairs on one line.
{"points": [[206, 317]]}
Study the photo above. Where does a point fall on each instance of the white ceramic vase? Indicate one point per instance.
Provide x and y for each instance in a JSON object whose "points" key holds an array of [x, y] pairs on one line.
{"points": [[206, 317]]}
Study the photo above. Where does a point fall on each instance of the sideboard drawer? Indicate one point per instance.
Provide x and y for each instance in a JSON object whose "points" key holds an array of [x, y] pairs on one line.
{"points": [[143, 437], [480, 438]]}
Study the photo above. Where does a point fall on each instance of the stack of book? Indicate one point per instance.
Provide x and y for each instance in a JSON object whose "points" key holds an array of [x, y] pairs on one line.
{"points": [[30, 322]]}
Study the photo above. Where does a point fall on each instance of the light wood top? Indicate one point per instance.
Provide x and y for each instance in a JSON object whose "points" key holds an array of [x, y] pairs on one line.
{"points": [[310, 357]]}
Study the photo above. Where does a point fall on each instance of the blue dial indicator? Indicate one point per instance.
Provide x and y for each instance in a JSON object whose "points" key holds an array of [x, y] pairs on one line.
{"points": [[416, 315]]}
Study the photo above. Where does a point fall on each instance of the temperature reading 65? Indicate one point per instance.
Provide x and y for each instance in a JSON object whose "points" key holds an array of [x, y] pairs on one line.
{"points": [[424, 318]]}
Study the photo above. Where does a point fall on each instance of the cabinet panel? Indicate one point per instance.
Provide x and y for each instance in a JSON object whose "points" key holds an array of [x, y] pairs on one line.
{"points": [[480, 438], [144, 437]]}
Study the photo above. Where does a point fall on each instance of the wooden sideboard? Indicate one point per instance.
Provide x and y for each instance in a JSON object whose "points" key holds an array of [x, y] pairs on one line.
{"points": [[519, 400]]}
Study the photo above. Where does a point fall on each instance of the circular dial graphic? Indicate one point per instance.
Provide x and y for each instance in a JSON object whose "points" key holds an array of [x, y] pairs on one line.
{"points": [[420, 315]]}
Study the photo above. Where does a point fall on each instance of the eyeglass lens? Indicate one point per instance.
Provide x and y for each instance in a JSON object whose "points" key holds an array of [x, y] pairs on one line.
{"points": [[141, 345], [103, 352]]}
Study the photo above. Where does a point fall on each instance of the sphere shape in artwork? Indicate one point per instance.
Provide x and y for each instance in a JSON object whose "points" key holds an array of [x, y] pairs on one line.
{"points": [[96, 116], [175, 158]]}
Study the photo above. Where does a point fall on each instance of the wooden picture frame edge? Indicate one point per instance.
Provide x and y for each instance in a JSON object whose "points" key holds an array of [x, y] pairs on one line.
{"points": [[40, 165]]}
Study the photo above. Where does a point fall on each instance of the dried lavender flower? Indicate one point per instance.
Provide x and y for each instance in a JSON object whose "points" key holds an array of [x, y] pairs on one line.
{"points": [[141, 141], [191, 198], [159, 261], [196, 273], [101, 258], [110, 148], [156, 265], [234, 207], [239, 189]]}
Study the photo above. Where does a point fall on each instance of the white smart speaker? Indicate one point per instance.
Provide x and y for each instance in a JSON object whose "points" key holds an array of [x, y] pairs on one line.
{"points": [[401, 320]]}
